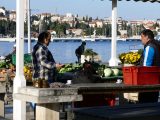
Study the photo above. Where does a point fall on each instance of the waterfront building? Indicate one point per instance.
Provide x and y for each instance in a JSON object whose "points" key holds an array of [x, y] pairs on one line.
{"points": [[55, 18], [99, 23], [3, 18], [12, 15]]}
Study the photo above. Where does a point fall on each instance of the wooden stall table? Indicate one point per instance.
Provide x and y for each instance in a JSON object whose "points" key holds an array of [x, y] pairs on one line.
{"points": [[48, 100], [109, 113], [95, 88], [117, 89]]}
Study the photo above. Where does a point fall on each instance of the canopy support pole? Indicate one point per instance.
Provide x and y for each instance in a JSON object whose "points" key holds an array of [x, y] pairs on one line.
{"points": [[19, 107], [114, 61], [29, 26]]}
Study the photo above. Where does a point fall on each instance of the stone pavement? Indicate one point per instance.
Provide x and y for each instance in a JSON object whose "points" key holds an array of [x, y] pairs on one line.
{"points": [[9, 112]]}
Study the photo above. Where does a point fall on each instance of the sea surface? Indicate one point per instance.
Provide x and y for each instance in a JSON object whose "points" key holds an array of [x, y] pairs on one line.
{"points": [[64, 52]]}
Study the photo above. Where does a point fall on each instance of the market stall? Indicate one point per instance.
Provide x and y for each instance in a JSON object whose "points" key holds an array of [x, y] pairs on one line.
{"points": [[48, 99]]}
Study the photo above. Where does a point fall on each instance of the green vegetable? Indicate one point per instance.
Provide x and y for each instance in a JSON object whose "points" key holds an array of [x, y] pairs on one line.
{"points": [[3, 64], [115, 71], [89, 52], [120, 73], [70, 68], [108, 72]]}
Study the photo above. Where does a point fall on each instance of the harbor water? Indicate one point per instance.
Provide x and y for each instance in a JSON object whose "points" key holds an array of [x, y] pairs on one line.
{"points": [[64, 52]]}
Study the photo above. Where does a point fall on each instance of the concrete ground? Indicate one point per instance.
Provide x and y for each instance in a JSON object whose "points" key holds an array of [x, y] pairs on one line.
{"points": [[9, 112], [30, 112]]}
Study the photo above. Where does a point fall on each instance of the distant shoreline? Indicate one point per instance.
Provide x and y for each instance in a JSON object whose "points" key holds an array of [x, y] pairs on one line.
{"points": [[74, 39], [7, 39]]}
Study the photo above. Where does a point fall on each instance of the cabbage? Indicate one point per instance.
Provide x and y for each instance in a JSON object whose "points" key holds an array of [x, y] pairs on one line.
{"points": [[115, 71], [107, 72]]}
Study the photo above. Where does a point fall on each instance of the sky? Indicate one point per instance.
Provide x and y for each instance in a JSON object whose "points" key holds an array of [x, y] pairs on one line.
{"points": [[128, 10]]}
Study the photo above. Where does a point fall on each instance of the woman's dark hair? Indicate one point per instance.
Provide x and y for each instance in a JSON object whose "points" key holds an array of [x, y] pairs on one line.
{"points": [[43, 36], [148, 33]]}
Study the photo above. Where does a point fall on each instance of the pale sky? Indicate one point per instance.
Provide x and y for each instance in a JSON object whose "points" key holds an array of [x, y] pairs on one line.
{"points": [[94, 8]]}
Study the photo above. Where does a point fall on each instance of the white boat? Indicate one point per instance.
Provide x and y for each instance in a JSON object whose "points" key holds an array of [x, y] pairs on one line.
{"points": [[121, 39]]}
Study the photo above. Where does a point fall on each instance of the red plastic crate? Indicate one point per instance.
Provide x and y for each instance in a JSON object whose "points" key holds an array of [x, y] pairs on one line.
{"points": [[136, 75]]}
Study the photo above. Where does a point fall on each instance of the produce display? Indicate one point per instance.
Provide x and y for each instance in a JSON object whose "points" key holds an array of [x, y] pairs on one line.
{"points": [[88, 68], [27, 72], [130, 57], [70, 68], [7, 68], [109, 72], [3, 64]]}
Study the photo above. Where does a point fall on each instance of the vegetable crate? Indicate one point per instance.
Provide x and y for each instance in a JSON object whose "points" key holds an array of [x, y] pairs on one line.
{"points": [[27, 59], [136, 75]]}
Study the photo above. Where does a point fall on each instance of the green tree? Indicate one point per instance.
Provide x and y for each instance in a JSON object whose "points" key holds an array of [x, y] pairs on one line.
{"points": [[90, 19], [34, 18], [108, 30], [129, 31], [3, 27], [99, 31], [26, 29], [1, 15]]}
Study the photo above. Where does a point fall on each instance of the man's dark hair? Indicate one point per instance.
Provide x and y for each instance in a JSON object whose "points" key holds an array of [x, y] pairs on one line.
{"points": [[43, 36], [83, 43], [148, 33]]}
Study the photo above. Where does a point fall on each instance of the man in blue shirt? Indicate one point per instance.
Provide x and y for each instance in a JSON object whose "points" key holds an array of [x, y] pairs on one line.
{"points": [[150, 57]]}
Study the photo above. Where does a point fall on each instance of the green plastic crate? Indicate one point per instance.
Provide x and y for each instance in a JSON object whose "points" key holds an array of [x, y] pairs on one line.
{"points": [[27, 59]]}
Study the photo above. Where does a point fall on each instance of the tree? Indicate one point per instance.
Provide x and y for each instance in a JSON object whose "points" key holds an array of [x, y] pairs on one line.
{"points": [[25, 29], [65, 26], [77, 15], [129, 31], [87, 18], [34, 18], [108, 30], [42, 26], [1, 15], [155, 33], [90, 19], [12, 28], [3, 27], [99, 31], [77, 25], [155, 25]]}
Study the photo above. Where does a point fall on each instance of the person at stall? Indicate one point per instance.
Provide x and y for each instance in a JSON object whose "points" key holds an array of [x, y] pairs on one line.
{"points": [[150, 57], [80, 50], [44, 65]]}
